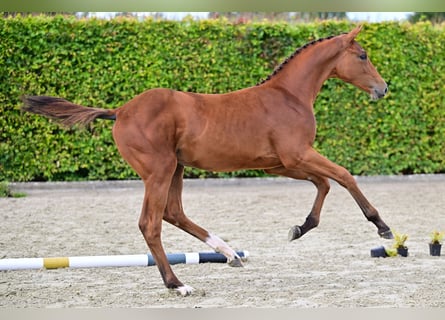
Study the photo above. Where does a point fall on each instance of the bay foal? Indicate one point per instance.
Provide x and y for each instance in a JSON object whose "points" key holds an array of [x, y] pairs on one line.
{"points": [[270, 126]]}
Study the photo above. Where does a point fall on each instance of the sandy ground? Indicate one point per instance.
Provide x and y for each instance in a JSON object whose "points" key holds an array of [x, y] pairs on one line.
{"points": [[329, 267]]}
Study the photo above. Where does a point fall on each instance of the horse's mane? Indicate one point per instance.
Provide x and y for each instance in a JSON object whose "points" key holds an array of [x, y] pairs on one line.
{"points": [[293, 55]]}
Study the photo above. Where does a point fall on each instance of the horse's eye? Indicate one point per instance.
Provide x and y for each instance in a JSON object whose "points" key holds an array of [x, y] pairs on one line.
{"points": [[363, 56]]}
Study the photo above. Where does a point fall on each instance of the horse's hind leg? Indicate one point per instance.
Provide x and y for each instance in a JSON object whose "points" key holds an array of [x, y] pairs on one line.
{"points": [[156, 172], [150, 224], [174, 214], [322, 185]]}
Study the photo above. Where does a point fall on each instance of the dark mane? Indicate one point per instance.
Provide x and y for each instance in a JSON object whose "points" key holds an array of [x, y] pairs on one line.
{"points": [[296, 52]]}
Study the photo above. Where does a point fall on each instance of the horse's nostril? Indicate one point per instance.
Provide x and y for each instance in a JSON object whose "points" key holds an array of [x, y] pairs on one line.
{"points": [[386, 90]]}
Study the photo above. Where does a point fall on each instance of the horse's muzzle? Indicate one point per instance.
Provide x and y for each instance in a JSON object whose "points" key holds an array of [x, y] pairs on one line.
{"points": [[378, 93]]}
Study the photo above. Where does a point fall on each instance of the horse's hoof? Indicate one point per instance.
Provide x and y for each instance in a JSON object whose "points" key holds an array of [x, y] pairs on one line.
{"points": [[386, 234], [294, 233], [236, 262], [184, 290]]}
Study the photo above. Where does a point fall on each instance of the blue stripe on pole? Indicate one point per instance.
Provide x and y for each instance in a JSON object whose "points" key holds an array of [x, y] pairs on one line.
{"points": [[151, 261], [176, 258], [204, 257], [212, 257]]}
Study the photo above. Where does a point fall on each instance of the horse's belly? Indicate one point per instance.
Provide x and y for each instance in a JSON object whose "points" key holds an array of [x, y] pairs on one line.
{"points": [[217, 160]]}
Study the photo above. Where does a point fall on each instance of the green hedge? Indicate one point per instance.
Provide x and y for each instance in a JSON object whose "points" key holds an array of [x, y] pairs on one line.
{"points": [[105, 63]]}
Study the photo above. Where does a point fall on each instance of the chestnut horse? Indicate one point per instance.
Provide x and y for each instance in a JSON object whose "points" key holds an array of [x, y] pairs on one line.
{"points": [[270, 126]]}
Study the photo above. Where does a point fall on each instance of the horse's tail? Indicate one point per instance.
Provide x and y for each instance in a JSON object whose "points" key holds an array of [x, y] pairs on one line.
{"points": [[65, 112]]}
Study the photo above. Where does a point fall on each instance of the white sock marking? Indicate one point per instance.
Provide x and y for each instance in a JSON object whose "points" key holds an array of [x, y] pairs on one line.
{"points": [[220, 246], [184, 290]]}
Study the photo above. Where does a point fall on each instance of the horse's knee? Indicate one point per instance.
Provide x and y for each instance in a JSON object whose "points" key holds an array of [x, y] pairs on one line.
{"points": [[346, 179], [324, 186]]}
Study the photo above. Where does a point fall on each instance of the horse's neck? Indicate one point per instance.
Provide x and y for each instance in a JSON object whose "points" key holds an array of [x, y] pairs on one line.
{"points": [[304, 75]]}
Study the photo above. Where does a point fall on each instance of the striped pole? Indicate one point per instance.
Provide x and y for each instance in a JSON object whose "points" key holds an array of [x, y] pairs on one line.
{"points": [[135, 260]]}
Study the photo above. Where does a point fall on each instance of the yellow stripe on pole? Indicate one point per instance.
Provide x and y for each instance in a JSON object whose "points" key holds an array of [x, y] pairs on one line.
{"points": [[54, 263]]}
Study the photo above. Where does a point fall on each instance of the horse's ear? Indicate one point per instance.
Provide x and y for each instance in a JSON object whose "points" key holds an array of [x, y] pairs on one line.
{"points": [[353, 33], [348, 38]]}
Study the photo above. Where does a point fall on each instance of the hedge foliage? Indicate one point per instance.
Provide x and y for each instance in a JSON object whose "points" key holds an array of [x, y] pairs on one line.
{"points": [[105, 63]]}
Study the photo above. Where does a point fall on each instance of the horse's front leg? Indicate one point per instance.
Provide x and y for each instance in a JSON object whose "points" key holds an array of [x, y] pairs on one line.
{"points": [[313, 162], [322, 185]]}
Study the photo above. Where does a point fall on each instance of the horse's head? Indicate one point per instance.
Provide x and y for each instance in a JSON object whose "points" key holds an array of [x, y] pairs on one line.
{"points": [[354, 67]]}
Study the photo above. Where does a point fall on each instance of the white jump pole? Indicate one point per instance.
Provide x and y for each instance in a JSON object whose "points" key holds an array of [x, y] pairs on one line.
{"points": [[135, 260]]}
